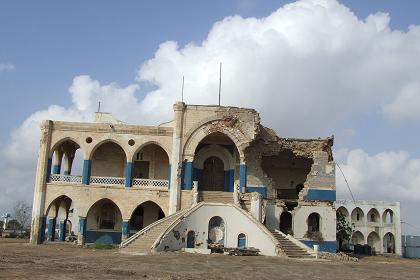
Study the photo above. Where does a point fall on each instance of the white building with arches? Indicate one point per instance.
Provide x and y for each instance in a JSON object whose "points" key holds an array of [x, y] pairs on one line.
{"points": [[113, 182], [375, 223]]}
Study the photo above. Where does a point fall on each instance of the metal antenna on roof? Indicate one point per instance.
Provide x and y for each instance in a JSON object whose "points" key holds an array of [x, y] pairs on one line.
{"points": [[347, 183], [182, 90], [99, 106], [220, 81]]}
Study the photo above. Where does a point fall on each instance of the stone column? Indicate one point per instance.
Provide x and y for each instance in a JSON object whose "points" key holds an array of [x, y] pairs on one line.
{"points": [[175, 183], [81, 237], [125, 229], [58, 159], [256, 206], [42, 174], [243, 170], [62, 236], [129, 175], [86, 171]]}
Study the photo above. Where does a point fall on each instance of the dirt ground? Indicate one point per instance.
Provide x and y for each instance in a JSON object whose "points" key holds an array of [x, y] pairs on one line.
{"points": [[19, 260]]}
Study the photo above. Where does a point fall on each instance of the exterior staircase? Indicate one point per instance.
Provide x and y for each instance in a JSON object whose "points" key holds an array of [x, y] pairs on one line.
{"points": [[215, 196], [142, 241], [290, 248]]}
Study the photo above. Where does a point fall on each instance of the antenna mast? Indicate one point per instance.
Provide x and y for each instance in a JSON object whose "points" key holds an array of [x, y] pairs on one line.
{"points": [[220, 81], [99, 106], [182, 90]]}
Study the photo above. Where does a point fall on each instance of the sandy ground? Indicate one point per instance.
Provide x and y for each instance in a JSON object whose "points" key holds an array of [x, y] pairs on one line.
{"points": [[19, 260]]}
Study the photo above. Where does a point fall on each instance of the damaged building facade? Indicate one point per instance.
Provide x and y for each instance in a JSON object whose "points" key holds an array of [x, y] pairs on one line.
{"points": [[212, 176]]}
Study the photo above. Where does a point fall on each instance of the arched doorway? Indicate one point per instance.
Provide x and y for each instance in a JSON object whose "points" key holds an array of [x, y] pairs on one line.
{"points": [[373, 216], [358, 238], [357, 216], [213, 174], [373, 241], [286, 223], [313, 223], [389, 243], [145, 214], [216, 234], [104, 222], [191, 239], [241, 240], [66, 162], [57, 221], [151, 162], [108, 164], [388, 217]]}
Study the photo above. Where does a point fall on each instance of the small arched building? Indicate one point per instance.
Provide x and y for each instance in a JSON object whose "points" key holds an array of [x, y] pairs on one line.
{"points": [[200, 174]]}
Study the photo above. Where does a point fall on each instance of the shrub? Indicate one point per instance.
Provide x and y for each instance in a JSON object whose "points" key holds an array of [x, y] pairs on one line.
{"points": [[103, 246]]}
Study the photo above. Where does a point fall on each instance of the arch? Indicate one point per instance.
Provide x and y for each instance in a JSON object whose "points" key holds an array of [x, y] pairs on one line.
{"points": [[374, 242], [145, 214], [108, 160], [191, 239], [358, 238], [389, 243], [104, 141], [143, 145], [213, 175], [216, 231], [242, 240], [388, 217], [286, 223], [58, 213], [199, 132], [60, 141], [151, 161], [104, 222], [314, 222], [373, 216], [55, 203], [357, 215], [343, 211], [214, 151]]}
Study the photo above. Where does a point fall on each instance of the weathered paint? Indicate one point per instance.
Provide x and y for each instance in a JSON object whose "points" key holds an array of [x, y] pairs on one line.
{"points": [[56, 169], [87, 163], [188, 175], [49, 163], [42, 229], [169, 176], [320, 195], [242, 176], [129, 175], [109, 237], [125, 229], [62, 236], [51, 229], [229, 180], [260, 190], [82, 226]]}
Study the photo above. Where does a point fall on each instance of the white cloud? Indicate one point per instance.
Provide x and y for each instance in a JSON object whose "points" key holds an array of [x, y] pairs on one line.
{"points": [[390, 175], [6, 67], [306, 67], [405, 106]]}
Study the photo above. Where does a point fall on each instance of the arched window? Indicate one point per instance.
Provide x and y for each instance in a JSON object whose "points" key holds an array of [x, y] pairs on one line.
{"points": [[313, 222], [241, 240], [191, 239], [286, 223], [216, 230]]}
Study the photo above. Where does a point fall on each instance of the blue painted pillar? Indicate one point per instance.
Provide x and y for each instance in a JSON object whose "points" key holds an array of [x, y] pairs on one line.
{"points": [[63, 230], [242, 177], [43, 227], [169, 176], [231, 180], [51, 229], [82, 230], [49, 169], [86, 171], [129, 175], [188, 175], [56, 169], [125, 229]]}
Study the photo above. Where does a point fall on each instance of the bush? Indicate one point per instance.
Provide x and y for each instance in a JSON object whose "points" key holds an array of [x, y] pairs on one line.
{"points": [[314, 235], [103, 246]]}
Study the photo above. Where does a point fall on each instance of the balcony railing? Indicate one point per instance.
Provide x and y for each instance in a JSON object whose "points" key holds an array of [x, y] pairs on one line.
{"points": [[150, 183], [117, 181], [66, 178]]}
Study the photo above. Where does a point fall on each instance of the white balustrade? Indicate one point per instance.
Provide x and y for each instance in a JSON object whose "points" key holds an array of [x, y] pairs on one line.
{"points": [[150, 183], [96, 180], [66, 178]]}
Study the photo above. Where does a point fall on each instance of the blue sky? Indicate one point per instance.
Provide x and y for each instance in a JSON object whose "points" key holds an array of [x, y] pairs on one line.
{"points": [[49, 43]]}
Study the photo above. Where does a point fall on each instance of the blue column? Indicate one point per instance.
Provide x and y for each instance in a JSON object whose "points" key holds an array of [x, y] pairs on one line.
{"points": [[51, 229], [82, 228], [188, 175], [56, 169], [49, 169], [43, 227], [125, 229], [242, 176], [86, 171], [169, 176], [129, 175], [63, 230]]}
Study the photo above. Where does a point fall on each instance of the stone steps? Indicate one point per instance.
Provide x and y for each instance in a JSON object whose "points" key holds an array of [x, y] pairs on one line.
{"points": [[144, 242], [215, 196], [289, 248]]}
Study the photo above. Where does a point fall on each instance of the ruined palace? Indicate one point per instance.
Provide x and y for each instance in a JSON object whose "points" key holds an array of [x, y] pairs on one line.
{"points": [[213, 176]]}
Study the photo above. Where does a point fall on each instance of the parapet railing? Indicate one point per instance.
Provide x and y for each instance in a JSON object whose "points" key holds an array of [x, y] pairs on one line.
{"points": [[66, 178], [96, 180], [150, 183]]}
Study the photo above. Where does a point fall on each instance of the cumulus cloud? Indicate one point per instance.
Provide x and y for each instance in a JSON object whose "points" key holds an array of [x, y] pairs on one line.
{"points": [[387, 175], [306, 67], [6, 67]]}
